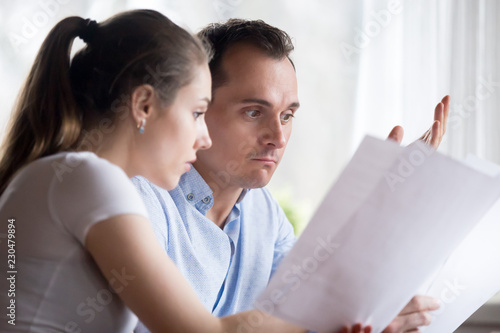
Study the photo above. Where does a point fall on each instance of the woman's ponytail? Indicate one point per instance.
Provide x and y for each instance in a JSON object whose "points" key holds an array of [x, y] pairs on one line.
{"points": [[46, 119]]}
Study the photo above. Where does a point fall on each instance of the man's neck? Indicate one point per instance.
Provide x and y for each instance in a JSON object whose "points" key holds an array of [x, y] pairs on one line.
{"points": [[224, 201]]}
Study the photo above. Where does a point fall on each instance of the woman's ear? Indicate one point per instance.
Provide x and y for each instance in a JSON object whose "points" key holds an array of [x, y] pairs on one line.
{"points": [[142, 102]]}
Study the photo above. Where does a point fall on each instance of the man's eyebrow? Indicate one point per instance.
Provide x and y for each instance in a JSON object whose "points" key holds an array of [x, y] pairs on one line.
{"points": [[294, 105]]}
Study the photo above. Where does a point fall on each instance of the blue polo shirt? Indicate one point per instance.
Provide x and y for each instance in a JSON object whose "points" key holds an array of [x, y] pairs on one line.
{"points": [[228, 267]]}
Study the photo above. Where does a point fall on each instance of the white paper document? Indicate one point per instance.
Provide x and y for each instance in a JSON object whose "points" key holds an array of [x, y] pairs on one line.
{"points": [[471, 275], [397, 222]]}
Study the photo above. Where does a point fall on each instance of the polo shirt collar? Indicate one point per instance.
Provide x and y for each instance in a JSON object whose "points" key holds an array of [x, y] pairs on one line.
{"points": [[196, 189]]}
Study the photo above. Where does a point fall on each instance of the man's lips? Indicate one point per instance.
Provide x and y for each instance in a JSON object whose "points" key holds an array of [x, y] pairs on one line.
{"points": [[265, 159]]}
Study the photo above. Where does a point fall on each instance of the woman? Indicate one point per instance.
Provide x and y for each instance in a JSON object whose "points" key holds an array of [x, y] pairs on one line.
{"points": [[131, 102]]}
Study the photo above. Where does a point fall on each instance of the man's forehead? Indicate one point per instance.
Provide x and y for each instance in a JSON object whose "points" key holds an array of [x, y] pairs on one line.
{"points": [[260, 93], [247, 64], [245, 57]]}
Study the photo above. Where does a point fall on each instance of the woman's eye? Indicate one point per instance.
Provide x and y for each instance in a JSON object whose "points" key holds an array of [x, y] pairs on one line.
{"points": [[287, 117], [252, 113], [197, 114]]}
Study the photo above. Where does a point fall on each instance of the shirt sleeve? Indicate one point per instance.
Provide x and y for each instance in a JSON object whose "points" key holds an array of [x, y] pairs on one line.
{"points": [[154, 203], [91, 190], [285, 240]]}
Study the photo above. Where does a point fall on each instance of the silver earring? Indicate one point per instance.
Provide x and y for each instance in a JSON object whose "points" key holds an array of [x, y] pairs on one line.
{"points": [[141, 126]]}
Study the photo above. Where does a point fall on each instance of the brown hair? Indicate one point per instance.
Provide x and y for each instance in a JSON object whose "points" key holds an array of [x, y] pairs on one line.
{"points": [[61, 97], [219, 37]]}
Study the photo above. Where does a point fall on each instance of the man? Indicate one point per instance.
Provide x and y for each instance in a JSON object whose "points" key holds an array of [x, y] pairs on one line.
{"points": [[221, 226]]}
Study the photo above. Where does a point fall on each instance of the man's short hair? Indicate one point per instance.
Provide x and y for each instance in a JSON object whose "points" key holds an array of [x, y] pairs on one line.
{"points": [[219, 37]]}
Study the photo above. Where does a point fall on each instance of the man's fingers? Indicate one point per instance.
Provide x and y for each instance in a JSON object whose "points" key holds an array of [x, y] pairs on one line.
{"points": [[408, 323], [368, 329], [446, 109], [439, 112], [436, 134], [439, 115], [433, 136], [426, 135], [420, 304], [396, 134]]}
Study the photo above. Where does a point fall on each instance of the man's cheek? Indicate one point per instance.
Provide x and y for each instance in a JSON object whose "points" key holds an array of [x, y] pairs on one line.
{"points": [[246, 149]]}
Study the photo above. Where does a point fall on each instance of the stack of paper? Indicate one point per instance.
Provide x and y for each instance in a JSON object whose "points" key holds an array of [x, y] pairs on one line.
{"points": [[393, 225], [471, 275]]}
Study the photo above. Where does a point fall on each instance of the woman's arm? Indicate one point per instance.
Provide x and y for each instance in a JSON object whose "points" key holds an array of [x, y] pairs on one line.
{"points": [[155, 290]]}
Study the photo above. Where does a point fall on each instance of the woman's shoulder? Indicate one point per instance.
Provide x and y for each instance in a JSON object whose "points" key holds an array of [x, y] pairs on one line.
{"points": [[87, 189], [66, 162], [80, 163], [65, 170], [86, 170]]}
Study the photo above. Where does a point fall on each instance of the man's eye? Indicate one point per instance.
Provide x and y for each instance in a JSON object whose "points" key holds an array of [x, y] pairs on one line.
{"points": [[287, 117], [252, 113]]}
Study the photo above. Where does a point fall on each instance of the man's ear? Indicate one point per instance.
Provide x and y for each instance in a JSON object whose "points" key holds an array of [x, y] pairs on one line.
{"points": [[142, 102]]}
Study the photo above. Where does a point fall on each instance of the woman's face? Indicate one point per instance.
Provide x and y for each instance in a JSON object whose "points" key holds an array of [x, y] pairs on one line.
{"points": [[177, 132]]}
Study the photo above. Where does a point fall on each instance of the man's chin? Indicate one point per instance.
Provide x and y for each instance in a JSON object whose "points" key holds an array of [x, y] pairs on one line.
{"points": [[259, 180], [257, 185]]}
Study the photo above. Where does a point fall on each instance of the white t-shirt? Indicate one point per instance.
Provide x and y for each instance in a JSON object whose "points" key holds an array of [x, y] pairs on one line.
{"points": [[58, 286]]}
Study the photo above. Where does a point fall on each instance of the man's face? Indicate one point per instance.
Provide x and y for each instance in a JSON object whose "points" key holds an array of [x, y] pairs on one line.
{"points": [[249, 120]]}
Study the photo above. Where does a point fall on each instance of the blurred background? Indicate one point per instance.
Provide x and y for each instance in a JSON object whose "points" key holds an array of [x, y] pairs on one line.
{"points": [[362, 67]]}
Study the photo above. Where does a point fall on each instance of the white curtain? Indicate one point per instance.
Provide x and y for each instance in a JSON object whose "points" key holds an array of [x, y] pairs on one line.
{"points": [[362, 66], [434, 48]]}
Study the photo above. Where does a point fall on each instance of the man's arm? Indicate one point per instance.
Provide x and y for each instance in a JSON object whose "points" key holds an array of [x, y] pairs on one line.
{"points": [[285, 239], [415, 313]]}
